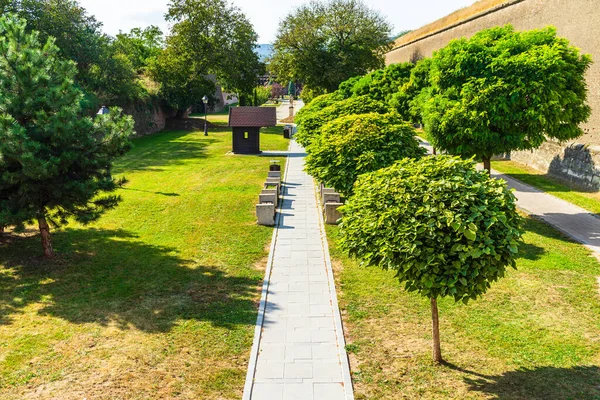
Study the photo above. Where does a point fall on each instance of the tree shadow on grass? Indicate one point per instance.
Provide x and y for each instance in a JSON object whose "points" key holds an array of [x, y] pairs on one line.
{"points": [[109, 277], [164, 149], [543, 383]]}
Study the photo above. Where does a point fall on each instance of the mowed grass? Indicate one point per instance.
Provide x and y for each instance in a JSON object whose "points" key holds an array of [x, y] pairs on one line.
{"points": [[158, 299], [534, 335], [584, 199]]}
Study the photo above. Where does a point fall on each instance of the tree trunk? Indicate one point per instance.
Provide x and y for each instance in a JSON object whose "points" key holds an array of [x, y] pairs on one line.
{"points": [[46, 239], [1, 230], [434, 151], [437, 351], [487, 164]]}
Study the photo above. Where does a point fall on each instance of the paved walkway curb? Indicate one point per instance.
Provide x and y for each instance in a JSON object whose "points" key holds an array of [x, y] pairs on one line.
{"points": [[575, 222], [263, 299], [298, 350]]}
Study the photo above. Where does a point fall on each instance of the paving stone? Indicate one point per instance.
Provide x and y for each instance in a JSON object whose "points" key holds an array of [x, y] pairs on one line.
{"points": [[299, 357], [301, 370], [267, 390], [328, 391], [298, 391]]}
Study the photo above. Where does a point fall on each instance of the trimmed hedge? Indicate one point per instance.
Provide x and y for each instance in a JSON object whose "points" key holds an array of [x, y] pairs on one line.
{"points": [[311, 122], [352, 145], [445, 228]]}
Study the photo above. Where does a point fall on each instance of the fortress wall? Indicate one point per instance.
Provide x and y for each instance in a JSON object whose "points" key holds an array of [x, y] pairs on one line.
{"points": [[576, 20]]}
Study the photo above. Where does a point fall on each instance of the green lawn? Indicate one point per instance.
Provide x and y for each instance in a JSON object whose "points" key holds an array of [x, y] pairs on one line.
{"points": [[534, 335], [584, 199], [158, 299]]}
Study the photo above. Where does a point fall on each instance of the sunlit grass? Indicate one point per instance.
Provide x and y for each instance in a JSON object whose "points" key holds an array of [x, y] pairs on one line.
{"points": [[158, 299], [534, 335]]}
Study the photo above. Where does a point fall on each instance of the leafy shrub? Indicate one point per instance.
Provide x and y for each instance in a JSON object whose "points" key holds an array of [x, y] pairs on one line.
{"points": [[352, 145], [261, 95], [311, 123], [408, 101], [316, 105], [382, 84], [445, 228]]}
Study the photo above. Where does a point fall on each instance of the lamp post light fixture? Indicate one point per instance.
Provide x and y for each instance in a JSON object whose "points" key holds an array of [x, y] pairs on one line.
{"points": [[103, 110], [205, 101]]}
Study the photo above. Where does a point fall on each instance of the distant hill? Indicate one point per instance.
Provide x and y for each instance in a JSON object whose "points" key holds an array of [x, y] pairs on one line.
{"points": [[264, 51]]}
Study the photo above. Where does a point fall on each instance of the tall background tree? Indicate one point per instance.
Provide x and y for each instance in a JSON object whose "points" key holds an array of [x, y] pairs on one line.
{"points": [[211, 37], [55, 162], [324, 43], [107, 71], [502, 90]]}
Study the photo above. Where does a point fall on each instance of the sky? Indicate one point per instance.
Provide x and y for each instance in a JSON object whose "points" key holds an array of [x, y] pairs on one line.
{"points": [[264, 14]]}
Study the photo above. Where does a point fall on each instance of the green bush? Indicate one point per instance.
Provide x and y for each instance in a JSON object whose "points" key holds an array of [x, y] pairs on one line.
{"points": [[261, 95], [408, 101], [502, 91], [315, 105], [311, 123], [382, 84], [445, 228], [355, 144]]}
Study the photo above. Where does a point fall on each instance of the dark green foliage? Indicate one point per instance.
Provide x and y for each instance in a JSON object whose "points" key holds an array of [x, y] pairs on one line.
{"points": [[181, 83], [141, 46], [346, 88], [503, 90], [311, 123], [103, 72], [409, 100], [54, 161], [355, 144], [323, 43], [445, 228]]}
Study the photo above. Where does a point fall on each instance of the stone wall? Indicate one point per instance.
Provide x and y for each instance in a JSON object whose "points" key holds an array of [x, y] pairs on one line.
{"points": [[576, 163], [149, 117], [576, 20]]}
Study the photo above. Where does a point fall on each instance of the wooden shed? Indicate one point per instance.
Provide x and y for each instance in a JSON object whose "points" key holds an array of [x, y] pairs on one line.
{"points": [[246, 123]]}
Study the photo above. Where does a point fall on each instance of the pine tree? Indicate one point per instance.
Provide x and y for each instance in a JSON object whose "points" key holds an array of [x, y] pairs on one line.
{"points": [[55, 162]]}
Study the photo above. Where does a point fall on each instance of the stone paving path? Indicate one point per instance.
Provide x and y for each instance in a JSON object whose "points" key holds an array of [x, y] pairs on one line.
{"points": [[300, 347], [574, 221]]}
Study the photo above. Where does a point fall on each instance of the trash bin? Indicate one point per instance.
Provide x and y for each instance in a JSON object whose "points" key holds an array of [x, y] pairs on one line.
{"points": [[274, 166]]}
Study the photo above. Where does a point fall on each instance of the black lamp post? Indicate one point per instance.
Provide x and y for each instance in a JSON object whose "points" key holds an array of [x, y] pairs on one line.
{"points": [[205, 101]]}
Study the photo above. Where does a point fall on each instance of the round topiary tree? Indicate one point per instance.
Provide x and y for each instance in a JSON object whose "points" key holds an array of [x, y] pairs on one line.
{"points": [[445, 228], [502, 90], [352, 145], [314, 106], [310, 125]]}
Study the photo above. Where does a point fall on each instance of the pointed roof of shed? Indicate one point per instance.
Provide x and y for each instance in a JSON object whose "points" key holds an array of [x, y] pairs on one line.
{"points": [[252, 116]]}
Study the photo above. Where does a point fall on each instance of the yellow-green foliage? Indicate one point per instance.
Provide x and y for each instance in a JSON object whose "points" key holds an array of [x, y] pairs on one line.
{"points": [[444, 227], [311, 122], [355, 144]]}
